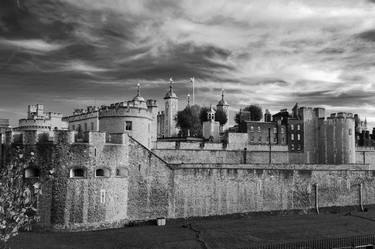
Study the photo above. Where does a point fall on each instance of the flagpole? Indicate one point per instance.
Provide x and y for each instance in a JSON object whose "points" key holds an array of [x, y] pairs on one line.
{"points": [[193, 81]]}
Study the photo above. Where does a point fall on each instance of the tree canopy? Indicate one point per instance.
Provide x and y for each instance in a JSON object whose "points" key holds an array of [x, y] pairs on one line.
{"points": [[188, 119], [17, 197], [249, 113]]}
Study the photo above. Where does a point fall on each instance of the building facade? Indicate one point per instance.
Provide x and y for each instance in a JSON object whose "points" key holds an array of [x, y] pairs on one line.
{"points": [[266, 133], [84, 119]]}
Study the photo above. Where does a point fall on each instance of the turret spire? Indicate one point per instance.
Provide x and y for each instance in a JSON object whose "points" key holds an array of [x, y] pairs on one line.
{"points": [[138, 97], [171, 84], [170, 93], [139, 89]]}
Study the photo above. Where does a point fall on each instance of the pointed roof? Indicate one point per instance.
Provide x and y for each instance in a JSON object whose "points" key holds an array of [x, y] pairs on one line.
{"points": [[222, 102], [170, 94], [138, 97]]}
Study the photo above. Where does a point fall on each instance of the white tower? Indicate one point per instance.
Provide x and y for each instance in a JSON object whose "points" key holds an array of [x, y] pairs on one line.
{"points": [[171, 108]]}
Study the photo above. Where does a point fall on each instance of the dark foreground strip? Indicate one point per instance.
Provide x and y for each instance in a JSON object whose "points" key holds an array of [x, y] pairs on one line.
{"points": [[361, 241]]}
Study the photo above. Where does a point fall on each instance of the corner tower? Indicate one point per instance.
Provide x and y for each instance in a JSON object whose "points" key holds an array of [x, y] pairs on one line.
{"points": [[171, 108]]}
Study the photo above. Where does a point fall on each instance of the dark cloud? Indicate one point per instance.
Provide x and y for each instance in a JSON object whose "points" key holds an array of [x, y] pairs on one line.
{"points": [[344, 99], [67, 53], [368, 35]]}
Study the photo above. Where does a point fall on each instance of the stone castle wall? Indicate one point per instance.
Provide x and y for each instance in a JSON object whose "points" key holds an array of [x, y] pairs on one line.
{"points": [[149, 187], [141, 192], [222, 156], [365, 155], [227, 189], [137, 187]]}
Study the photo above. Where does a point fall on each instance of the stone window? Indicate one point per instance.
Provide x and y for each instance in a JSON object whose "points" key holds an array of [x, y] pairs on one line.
{"points": [[31, 173], [299, 137], [282, 130], [102, 196], [92, 126], [128, 125], [252, 138], [121, 172], [77, 173], [299, 147], [292, 137], [292, 127], [258, 128], [260, 139], [274, 130], [292, 147], [298, 127], [251, 128], [275, 139], [85, 126], [102, 172], [73, 127], [350, 132]]}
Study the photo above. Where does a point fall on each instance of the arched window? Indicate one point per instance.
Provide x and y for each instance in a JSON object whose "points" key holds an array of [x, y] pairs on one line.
{"points": [[32, 173], [77, 173], [102, 172]]}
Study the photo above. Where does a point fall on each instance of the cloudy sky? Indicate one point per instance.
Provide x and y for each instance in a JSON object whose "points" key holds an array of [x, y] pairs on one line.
{"points": [[72, 53]]}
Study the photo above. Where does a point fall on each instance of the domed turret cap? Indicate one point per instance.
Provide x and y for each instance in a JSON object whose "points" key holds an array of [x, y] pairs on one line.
{"points": [[170, 93], [222, 102], [138, 97]]}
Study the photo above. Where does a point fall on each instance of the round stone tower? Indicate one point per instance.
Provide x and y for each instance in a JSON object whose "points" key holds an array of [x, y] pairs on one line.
{"points": [[136, 118], [340, 138]]}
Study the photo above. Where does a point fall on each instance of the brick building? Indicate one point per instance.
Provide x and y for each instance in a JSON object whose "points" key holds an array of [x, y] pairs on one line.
{"points": [[260, 132]]}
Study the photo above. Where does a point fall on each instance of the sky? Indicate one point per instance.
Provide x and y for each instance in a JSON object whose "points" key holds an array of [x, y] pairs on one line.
{"points": [[68, 54]]}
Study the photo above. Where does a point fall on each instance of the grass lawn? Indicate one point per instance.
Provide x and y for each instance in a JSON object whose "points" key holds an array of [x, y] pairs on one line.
{"points": [[224, 232]]}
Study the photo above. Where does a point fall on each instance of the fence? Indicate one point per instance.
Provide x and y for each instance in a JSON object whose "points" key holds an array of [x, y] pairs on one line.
{"points": [[362, 241]]}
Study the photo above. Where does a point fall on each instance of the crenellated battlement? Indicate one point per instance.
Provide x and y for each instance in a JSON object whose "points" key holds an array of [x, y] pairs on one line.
{"points": [[125, 111], [341, 115], [32, 137]]}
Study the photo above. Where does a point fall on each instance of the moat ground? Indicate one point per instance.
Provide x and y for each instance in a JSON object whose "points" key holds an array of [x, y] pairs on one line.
{"points": [[223, 232]]}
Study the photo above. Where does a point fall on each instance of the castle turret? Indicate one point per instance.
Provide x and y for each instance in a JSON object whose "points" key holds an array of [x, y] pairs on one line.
{"points": [[211, 127], [224, 106], [171, 108]]}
